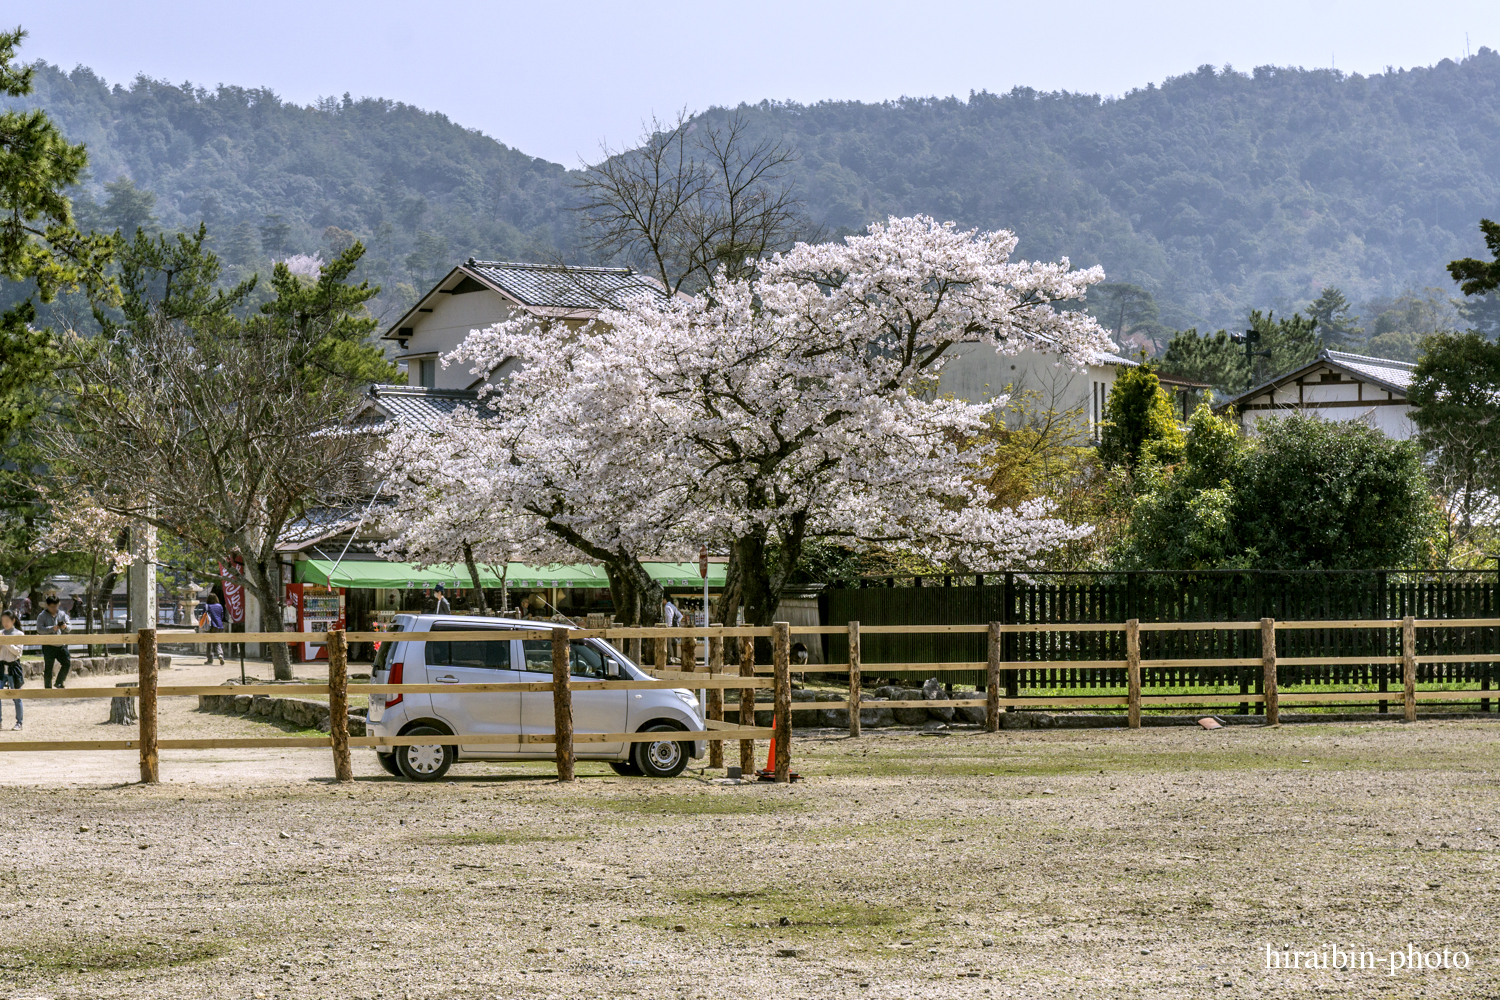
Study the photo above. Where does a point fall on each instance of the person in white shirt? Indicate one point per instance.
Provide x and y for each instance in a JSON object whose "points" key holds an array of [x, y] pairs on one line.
{"points": [[11, 675]]}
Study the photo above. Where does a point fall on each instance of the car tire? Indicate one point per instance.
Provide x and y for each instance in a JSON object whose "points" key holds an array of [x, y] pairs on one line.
{"points": [[625, 768], [388, 762], [425, 763], [664, 758]]}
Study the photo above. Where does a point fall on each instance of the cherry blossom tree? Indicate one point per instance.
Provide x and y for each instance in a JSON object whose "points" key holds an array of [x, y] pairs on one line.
{"points": [[530, 482], [79, 526], [758, 416], [429, 522]]}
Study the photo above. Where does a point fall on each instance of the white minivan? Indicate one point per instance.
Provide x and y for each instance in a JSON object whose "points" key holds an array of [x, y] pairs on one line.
{"points": [[495, 713]]}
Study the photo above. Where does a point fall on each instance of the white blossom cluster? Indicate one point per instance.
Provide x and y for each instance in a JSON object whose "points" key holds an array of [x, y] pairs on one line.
{"points": [[75, 523], [305, 265], [792, 407]]}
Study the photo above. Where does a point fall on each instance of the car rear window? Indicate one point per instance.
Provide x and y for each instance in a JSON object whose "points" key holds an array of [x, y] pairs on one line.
{"points": [[493, 655]]}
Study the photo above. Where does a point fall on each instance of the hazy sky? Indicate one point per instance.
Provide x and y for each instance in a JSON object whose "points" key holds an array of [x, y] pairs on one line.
{"points": [[554, 79]]}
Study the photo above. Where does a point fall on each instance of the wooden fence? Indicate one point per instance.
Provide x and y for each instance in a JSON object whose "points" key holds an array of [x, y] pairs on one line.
{"points": [[714, 679], [1337, 598]]}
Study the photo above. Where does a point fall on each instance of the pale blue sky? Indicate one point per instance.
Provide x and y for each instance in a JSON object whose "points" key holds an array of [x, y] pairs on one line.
{"points": [[555, 79]]}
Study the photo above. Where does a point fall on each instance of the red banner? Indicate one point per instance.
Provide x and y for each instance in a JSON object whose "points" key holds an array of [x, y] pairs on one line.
{"points": [[234, 594]]}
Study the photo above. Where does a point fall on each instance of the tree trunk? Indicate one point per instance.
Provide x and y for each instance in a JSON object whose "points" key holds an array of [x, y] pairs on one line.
{"points": [[631, 588], [265, 577], [763, 573], [106, 593], [727, 607], [638, 597], [481, 606]]}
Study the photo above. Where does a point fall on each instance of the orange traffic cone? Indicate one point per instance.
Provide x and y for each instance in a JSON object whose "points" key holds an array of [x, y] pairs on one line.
{"points": [[768, 773]]}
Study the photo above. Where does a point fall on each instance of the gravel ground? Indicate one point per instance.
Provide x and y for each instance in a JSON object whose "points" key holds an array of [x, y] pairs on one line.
{"points": [[1021, 864]]}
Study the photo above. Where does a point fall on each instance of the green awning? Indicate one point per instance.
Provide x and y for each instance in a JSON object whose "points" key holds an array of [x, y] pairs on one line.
{"points": [[685, 574], [386, 575]]}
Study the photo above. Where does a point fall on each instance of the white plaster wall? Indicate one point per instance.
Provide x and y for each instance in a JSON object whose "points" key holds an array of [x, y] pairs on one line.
{"points": [[1285, 395], [977, 373], [1324, 392], [443, 329]]}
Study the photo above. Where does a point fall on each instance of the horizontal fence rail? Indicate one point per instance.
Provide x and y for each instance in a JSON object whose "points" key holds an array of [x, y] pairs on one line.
{"points": [[1392, 650]]}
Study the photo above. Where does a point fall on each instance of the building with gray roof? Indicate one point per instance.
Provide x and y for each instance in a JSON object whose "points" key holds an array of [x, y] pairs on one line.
{"points": [[1335, 386]]}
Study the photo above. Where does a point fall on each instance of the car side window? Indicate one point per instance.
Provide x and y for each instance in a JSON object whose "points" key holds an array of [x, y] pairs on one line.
{"points": [[493, 655], [538, 654], [586, 660]]}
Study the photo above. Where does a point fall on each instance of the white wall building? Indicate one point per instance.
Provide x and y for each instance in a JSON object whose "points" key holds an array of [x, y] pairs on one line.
{"points": [[1335, 386], [978, 373], [479, 293]]}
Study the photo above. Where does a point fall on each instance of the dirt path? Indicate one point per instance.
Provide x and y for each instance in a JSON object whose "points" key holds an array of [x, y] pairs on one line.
{"points": [[1096, 864]]}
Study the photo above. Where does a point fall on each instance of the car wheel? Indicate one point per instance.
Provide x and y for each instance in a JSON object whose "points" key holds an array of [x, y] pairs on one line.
{"points": [[427, 762], [625, 768], [664, 758], [388, 761]]}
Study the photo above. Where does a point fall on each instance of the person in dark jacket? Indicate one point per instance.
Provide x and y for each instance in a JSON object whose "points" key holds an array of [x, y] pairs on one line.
{"points": [[54, 621], [213, 621]]}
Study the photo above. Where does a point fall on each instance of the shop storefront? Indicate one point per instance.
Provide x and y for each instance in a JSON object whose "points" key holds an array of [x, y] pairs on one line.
{"points": [[367, 594]]}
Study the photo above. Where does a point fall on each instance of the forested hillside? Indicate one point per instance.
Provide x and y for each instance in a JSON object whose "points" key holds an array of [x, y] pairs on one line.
{"points": [[271, 178], [1216, 191]]}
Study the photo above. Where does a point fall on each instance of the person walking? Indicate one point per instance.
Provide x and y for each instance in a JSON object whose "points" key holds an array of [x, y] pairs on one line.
{"points": [[441, 607], [54, 621], [213, 621], [671, 617], [11, 675]]}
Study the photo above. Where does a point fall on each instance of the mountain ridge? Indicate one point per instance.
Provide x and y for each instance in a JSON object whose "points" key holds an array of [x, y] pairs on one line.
{"points": [[1217, 191]]}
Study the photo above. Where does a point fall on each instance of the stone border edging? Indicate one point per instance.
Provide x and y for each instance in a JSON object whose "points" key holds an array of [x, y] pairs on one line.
{"points": [[302, 712]]}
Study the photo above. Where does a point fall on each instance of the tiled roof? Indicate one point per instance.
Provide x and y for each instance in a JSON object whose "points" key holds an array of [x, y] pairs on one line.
{"points": [[1383, 372], [416, 406], [553, 286], [316, 524], [1394, 374]]}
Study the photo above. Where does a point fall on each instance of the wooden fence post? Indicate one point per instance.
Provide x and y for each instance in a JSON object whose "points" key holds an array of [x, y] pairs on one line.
{"points": [[562, 705], [145, 659], [781, 662], [747, 703], [1268, 668], [338, 704], [715, 699], [1133, 671], [1409, 668], [992, 680], [687, 648], [856, 680], [659, 651]]}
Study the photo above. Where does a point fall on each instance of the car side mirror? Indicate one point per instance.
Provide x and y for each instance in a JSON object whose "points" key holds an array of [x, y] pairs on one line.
{"points": [[612, 669]]}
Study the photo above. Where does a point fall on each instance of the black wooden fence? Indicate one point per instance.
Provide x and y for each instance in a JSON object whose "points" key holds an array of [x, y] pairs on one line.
{"points": [[1089, 598]]}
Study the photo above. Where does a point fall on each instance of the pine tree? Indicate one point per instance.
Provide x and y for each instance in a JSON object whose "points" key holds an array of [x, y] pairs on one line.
{"points": [[1336, 323], [243, 245]]}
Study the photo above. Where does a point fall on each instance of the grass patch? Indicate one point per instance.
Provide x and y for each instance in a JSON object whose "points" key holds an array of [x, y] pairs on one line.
{"points": [[727, 803], [486, 837], [112, 956], [755, 911]]}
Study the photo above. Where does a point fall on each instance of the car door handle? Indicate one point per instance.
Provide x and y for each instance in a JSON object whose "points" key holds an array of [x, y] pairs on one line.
{"points": [[638, 696], [447, 679]]}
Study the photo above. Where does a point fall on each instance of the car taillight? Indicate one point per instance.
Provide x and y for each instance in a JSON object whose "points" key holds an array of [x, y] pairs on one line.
{"points": [[394, 678]]}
